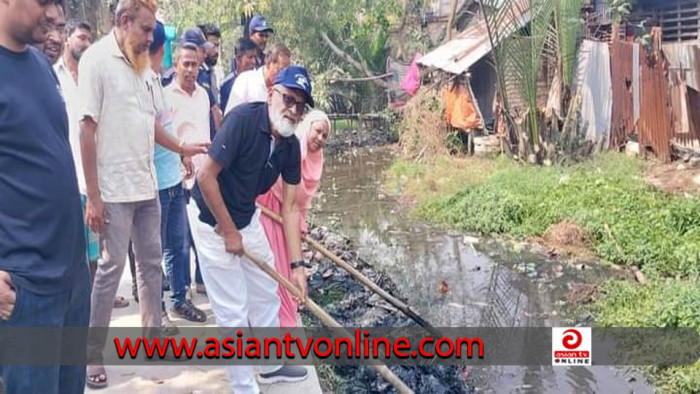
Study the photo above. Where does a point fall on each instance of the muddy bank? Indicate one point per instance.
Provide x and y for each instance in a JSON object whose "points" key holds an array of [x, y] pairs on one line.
{"points": [[675, 178], [344, 140], [353, 305]]}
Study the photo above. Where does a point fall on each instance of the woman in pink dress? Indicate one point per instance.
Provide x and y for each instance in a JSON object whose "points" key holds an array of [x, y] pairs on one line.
{"points": [[312, 133]]}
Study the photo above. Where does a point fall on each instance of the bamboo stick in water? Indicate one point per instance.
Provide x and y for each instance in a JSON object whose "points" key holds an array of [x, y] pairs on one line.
{"points": [[326, 319]]}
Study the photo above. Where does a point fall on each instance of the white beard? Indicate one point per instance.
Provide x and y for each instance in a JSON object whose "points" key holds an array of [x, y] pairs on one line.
{"points": [[283, 126]]}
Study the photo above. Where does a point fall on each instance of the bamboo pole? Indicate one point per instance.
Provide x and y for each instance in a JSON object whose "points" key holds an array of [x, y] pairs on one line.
{"points": [[325, 318], [354, 273]]}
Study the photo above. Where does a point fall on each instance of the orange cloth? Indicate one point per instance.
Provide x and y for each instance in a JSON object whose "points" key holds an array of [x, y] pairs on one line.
{"points": [[460, 108]]}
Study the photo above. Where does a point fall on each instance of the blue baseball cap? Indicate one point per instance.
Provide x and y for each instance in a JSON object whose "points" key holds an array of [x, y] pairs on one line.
{"points": [[195, 36], [296, 77], [259, 23], [158, 36]]}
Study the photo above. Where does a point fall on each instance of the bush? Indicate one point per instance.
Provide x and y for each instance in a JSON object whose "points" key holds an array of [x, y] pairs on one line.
{"points": [[662, 303], [631, 223]]}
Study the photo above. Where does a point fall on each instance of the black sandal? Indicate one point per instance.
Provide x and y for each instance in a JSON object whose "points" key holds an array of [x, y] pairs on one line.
{"points": [[188, 311]]}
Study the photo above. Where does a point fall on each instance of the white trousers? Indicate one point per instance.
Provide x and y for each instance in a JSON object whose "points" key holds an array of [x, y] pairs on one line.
{"points": [[241, 294]]}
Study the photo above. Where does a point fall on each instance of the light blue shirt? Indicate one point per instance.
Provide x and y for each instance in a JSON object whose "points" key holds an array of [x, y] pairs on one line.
{"points": [[167, 162]]}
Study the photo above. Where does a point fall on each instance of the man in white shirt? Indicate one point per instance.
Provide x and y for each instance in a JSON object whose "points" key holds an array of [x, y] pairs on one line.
{"points": [[190, 106], [172, 197], [252, 86], [118, 135], [78, 41], [66, 68], [189, 102]]}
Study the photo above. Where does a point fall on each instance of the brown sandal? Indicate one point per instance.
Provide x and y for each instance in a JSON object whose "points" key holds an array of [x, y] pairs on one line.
{"points": [[97, 381], [120, 302]]}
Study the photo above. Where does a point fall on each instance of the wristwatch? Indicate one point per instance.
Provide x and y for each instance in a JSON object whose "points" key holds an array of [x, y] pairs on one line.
{"points": [[300, 263]]}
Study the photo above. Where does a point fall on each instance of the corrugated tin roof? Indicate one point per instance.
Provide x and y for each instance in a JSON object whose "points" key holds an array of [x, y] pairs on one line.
{"points": [[457, 55]]}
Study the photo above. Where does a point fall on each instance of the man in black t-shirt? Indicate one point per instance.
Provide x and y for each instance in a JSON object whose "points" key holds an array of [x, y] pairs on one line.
{"points": [[254, 145], [44, 277]]}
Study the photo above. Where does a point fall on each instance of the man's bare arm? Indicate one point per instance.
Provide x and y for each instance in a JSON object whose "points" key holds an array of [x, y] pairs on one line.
{"points": [[167, 141], [88, 151], [217, 115], [291, 220], [94, 209]]}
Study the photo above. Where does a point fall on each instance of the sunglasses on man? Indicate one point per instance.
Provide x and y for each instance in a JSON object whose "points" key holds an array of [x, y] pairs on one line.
{"points": [[289, 102]]}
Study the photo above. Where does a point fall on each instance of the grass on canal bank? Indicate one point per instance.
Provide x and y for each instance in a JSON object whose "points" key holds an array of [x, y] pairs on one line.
{"points": [[661, 303], [627, 221]]}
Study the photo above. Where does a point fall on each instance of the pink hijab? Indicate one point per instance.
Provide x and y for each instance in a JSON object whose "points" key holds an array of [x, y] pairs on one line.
{"points": [[311, 166]]}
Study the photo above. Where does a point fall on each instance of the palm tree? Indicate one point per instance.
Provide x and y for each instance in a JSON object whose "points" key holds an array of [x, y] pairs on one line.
{"points": [[527, 35]]}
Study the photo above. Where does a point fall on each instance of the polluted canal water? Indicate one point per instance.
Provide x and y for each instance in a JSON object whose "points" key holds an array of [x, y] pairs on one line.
{"points": [[450, 279]]}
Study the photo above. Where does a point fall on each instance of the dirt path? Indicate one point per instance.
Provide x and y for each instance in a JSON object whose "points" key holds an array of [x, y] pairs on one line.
{"points": [[674, 178]]}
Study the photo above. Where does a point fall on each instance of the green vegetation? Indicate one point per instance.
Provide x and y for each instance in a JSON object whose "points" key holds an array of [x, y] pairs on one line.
{"points": [[630, 223], [547, 44], [662, 303], [333, 39], [331, 294], [343, 125]]}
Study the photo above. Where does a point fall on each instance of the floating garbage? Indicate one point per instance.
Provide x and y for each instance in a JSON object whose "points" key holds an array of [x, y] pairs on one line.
{"points": [[353, 305], [470, 240], [443, 287]]}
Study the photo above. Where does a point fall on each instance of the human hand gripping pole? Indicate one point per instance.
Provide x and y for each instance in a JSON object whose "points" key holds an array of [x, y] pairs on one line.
{"points": [[299, 278], [355, 273], [324, 317], [233, 242]]}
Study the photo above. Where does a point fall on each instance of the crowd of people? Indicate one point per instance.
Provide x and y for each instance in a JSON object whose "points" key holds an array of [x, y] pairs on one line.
{"points": [[107, 157]]}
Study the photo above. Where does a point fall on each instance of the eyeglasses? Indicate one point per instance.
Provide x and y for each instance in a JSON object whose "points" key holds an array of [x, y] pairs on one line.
{"points": [[290, 102]]}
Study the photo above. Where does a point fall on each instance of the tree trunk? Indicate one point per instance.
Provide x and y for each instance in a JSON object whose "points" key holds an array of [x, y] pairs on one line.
{"points": [[404, 7], [451, 20], [350, 60]]}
